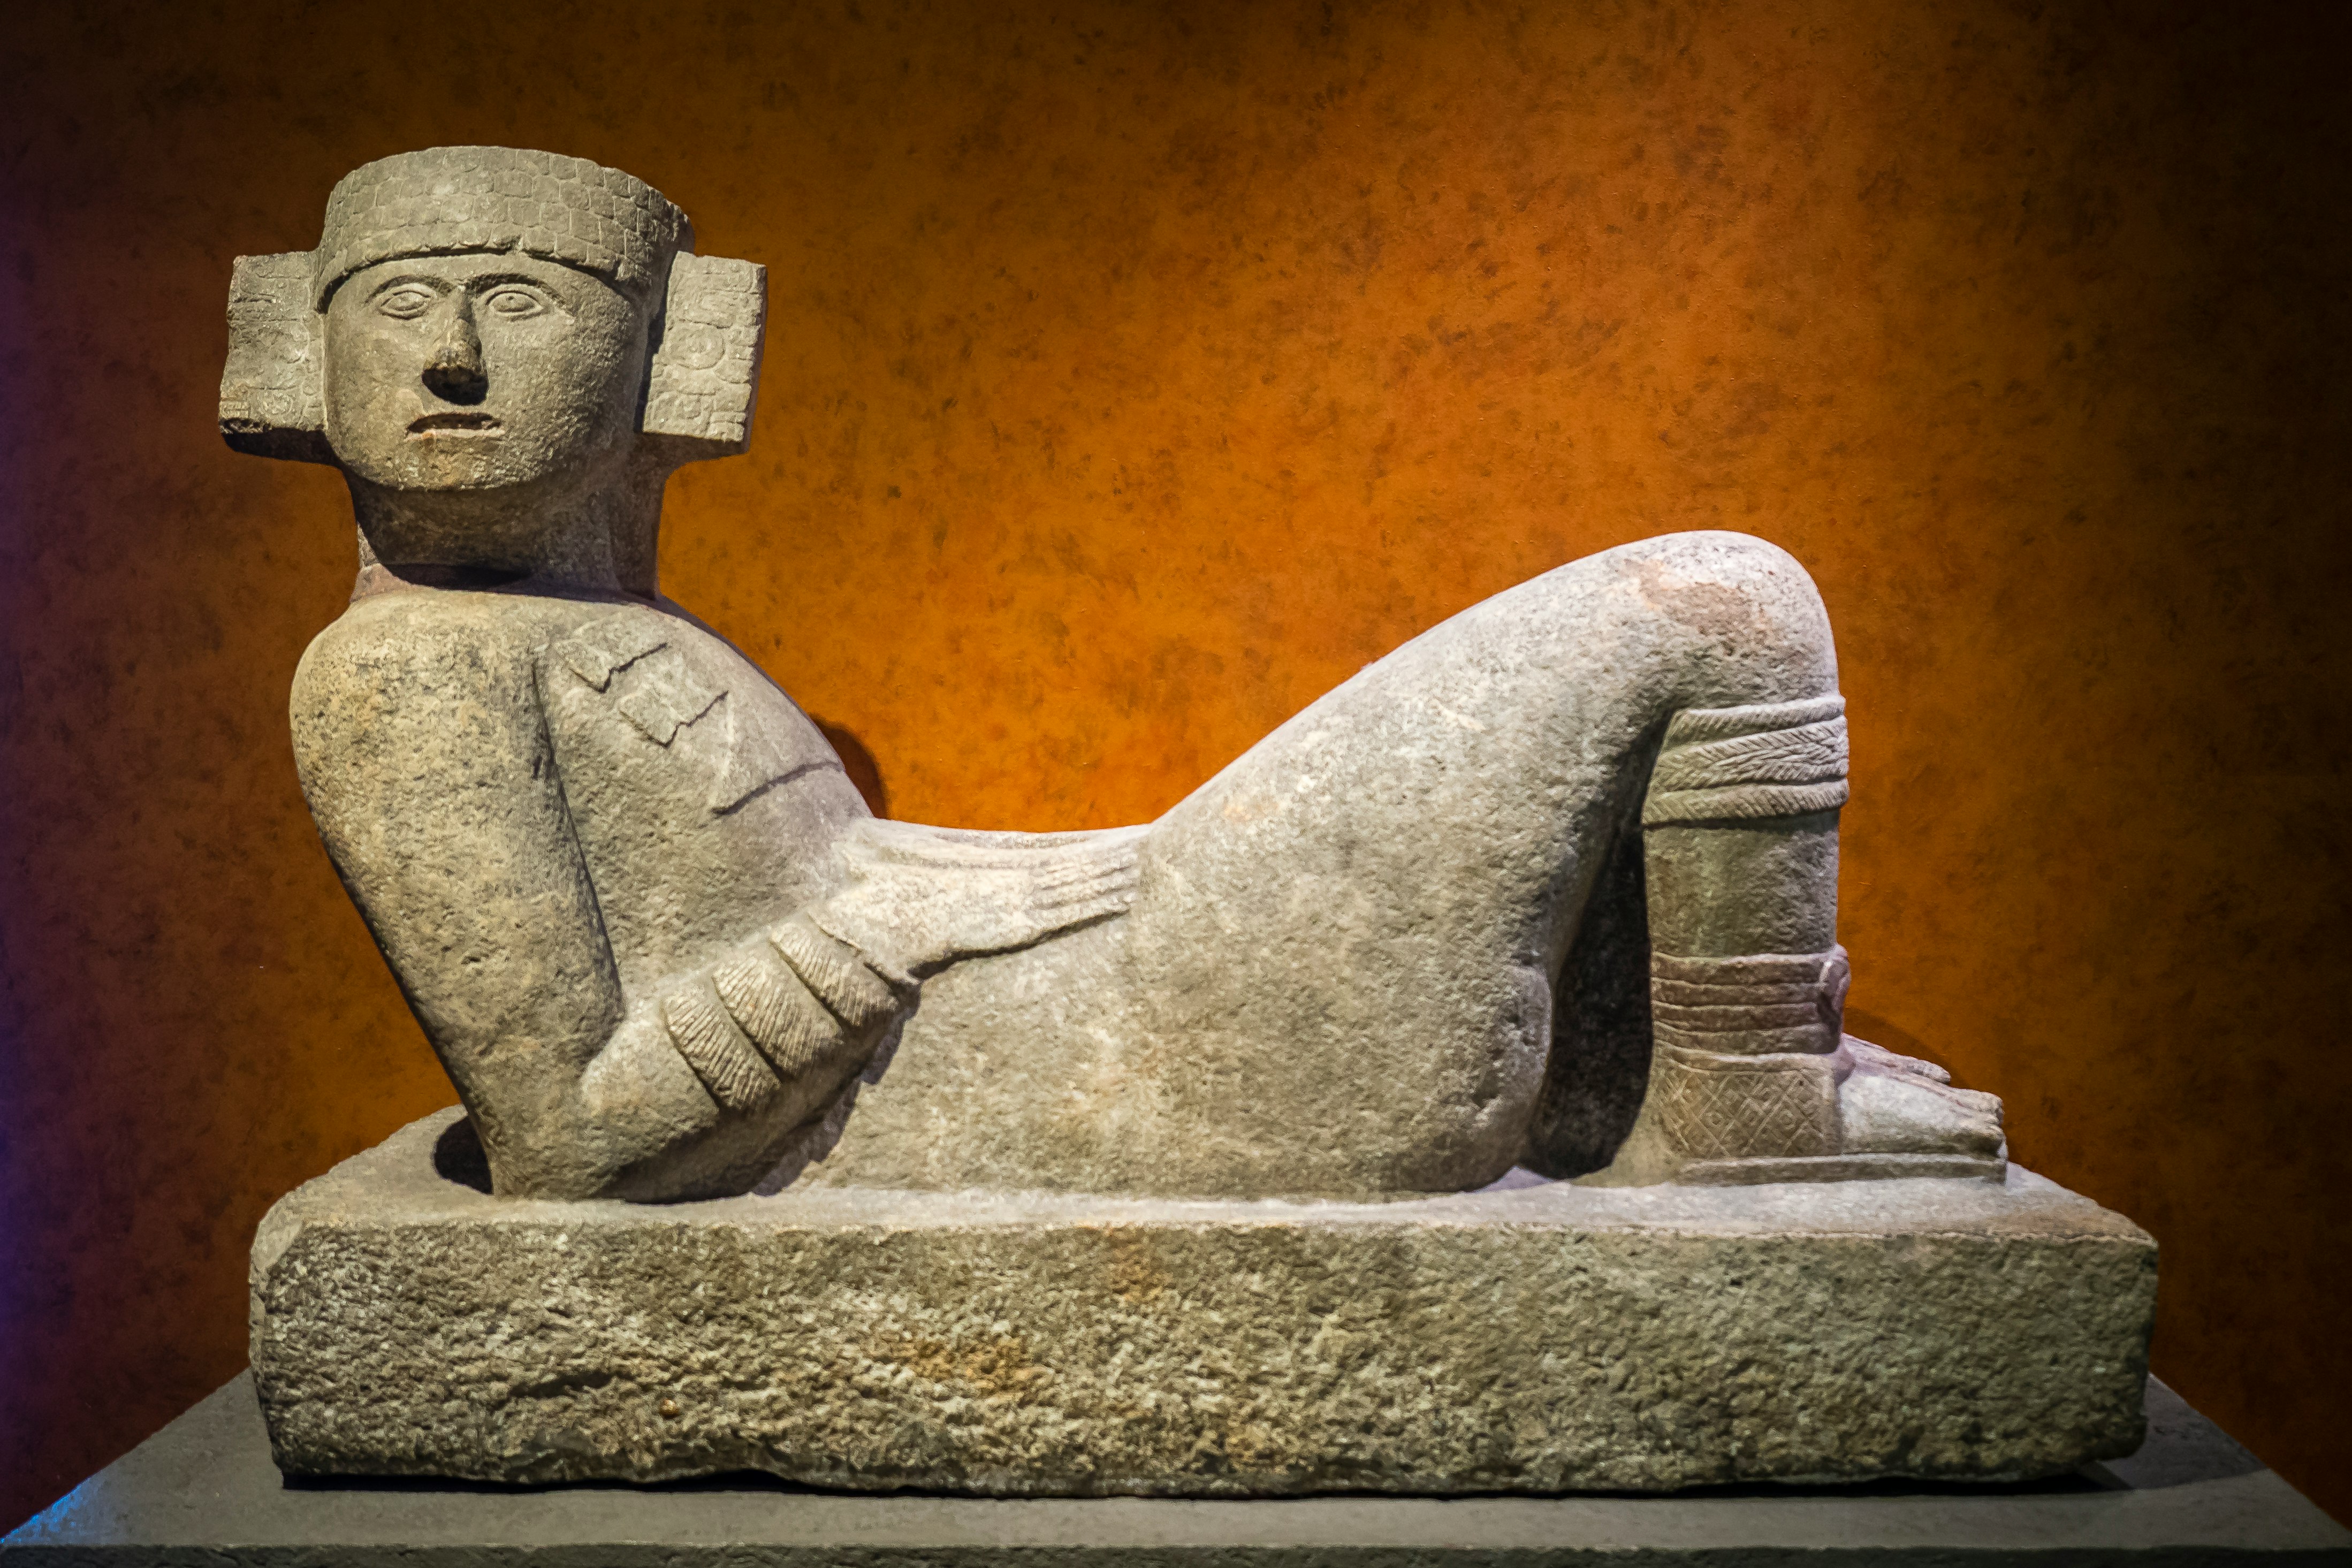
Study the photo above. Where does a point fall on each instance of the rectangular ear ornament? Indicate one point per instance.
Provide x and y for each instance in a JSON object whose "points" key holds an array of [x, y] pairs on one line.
{"points": [[706, 369], [273, 389]]}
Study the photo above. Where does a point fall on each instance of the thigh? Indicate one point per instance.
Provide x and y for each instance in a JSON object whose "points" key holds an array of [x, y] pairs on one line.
{"points": [[1337, 976], [1354, 931]]}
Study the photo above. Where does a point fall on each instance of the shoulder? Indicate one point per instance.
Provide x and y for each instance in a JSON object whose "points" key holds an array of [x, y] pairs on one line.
{"points": [[653, 701], [397, 669], [420, 630], [474, 641]]}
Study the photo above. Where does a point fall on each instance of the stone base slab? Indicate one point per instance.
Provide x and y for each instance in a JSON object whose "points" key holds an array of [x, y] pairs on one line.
{"points": [[1533, 1338]]}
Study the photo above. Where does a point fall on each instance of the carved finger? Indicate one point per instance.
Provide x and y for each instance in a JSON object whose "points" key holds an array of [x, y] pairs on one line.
{"points": [[791, 1028], [1122, 866], [1053, 895], [718, 1052], [878, 842], [1079, 911], [855, 994]]}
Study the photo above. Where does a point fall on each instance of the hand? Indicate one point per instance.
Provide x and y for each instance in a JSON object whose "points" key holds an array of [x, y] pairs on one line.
{"points": [[919, 898]]}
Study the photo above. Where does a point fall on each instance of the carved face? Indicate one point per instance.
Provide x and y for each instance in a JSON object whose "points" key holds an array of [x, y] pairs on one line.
{"points": [[481, 373]]}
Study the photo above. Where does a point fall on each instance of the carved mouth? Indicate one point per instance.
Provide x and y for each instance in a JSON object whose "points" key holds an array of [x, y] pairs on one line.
{"points": [[452, 424]]}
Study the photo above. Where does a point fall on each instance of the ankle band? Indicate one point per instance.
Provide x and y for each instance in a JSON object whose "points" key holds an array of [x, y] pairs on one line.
{"points": [[1761, 1005]]}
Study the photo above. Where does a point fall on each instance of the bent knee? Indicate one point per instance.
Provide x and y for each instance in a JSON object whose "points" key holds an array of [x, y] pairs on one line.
{"points": [[1724, 580], [1746, 610]]}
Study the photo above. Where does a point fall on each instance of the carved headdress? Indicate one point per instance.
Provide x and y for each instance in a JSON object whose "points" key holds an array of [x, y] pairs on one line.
{"points": [[446, 200]]}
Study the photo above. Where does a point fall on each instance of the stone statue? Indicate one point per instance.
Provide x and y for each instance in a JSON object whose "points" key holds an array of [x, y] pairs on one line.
{"points": [[1553, 885], [1170, 1160]]}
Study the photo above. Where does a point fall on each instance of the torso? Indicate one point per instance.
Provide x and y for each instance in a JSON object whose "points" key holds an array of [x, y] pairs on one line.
{"points": [[704, 803]]}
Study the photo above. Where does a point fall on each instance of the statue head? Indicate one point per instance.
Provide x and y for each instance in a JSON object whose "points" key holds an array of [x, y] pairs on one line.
{"points": [[505, 351]]}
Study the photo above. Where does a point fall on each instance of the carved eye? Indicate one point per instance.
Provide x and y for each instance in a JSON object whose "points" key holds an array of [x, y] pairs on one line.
{"points": [[513, 304], [407, 304]]}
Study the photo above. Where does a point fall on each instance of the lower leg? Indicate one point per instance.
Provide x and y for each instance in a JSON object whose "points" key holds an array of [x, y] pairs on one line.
{"points": [[1747, 983]]}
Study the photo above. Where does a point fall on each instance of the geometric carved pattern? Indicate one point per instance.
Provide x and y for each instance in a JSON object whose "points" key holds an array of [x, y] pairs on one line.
{"points": [[1697, 726], [1738, 1108], [1761, 1004], [447, 199], [629, 657], [1742, 803], [706, 369], [1771, 759], [665, 696], [596, 651], [1806, 755], [273, 386]]}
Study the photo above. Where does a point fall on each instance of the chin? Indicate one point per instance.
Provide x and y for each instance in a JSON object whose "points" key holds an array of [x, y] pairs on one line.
{"points": [[470, 477], [478, 466]]}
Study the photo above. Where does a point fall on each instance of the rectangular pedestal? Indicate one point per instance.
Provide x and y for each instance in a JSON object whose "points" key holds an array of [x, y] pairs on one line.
{"points": [[1542, 1339]]}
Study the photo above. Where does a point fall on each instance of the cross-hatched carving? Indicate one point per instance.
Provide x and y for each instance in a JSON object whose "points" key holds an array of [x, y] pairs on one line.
{"points": [[1733, 1108]]}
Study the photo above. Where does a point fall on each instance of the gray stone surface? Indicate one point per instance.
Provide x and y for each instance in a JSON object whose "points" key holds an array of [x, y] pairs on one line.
{"points": [[1553, 886], [204, 1494], [1543, 1336], [1420, 934]]}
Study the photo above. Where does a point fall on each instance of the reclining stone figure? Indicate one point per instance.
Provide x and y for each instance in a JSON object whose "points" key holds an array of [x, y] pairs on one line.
{"points": [[1552, 885]]}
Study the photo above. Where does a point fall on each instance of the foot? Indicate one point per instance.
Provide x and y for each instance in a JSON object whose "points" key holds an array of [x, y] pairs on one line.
{"points": [[1856, 1113], [1890, 1104], [1752, 1079]]}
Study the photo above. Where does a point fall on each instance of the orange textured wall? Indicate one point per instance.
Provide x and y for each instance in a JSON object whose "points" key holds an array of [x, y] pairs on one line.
{"points": [[1135, 374]]}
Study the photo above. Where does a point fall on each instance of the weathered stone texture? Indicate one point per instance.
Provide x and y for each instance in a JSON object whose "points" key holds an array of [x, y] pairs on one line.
{"points": [[1334, 970], [706, 372], [1549, 1337]]}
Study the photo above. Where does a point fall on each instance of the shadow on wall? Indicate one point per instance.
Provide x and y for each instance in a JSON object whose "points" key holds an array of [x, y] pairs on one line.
{"points": [[1879, 1031], [858, 763]]}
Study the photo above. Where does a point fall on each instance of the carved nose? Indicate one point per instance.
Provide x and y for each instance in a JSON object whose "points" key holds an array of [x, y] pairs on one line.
{"points": [[454, 370]]}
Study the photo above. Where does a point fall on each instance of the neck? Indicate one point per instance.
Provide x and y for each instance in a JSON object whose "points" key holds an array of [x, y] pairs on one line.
{"points": [[597, 539]]}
